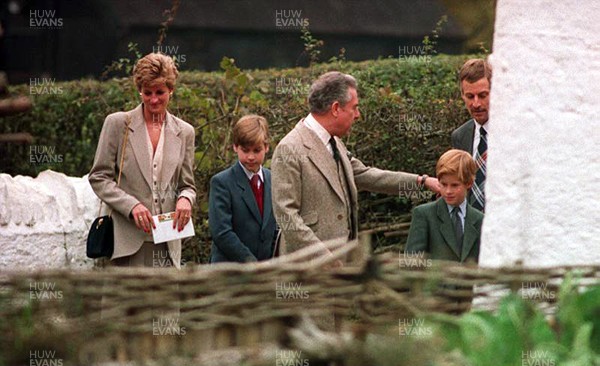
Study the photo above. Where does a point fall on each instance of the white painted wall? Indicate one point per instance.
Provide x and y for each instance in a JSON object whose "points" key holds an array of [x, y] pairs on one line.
{"points": [[44, 221], [543, 186]]}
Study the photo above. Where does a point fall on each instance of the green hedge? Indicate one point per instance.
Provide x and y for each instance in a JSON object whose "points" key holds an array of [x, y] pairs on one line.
{"points": [[408, 110]]}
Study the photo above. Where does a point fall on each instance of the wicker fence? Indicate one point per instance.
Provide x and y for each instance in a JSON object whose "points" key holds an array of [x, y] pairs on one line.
{"points": [[233, 313]]}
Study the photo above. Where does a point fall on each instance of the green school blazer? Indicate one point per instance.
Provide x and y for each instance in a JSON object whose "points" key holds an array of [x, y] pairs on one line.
{"points": [[431, 231]]}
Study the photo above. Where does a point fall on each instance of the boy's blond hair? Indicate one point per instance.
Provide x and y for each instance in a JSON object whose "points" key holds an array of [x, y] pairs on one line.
{"points": [[458, 163], [251, 130]]}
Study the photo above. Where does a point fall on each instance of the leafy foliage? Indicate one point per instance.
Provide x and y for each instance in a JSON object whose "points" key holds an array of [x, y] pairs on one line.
{"points": [[123, 66], [519, 334], [408, 112]]}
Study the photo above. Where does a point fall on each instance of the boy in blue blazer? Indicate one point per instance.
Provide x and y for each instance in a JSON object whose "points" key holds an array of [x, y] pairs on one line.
{"points": [[240, 215], [449, 228]]}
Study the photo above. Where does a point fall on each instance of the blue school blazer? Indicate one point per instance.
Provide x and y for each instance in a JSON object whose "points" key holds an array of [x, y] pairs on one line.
{"points": [[238, 231]]}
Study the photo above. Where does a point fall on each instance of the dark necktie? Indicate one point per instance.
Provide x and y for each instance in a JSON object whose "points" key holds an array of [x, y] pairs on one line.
{"points": [[334, 149], [337, 158], [458, 229], [480, 159], [258, 192]]}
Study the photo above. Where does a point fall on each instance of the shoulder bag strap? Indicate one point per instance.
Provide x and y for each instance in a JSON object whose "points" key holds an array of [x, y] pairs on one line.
{"points": [[123, 149]]}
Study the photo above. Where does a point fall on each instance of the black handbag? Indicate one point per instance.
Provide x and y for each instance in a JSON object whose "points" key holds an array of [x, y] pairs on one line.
{"points": [[101, 238]]}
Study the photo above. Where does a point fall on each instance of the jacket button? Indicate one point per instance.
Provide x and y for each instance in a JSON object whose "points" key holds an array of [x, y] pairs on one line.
{"points": [[340, 217], [163, 200]]}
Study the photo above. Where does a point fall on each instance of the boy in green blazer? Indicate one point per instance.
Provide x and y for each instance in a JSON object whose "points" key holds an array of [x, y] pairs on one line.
{"points": [[449, 228]]}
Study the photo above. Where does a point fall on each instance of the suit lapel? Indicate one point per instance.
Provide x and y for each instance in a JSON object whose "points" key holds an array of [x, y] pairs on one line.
{"points": [[446, 228], [471, 233], [246, 191], [267, 205], [139, 143], [171, 148], [468, 137], [321, 158]]}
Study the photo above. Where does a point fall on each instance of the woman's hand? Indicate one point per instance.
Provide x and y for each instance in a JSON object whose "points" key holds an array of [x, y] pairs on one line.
{"points": [[183, 213], [142, 217]]}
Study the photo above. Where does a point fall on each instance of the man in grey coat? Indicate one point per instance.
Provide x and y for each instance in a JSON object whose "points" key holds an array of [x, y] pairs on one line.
{"points": [[316, 181]]}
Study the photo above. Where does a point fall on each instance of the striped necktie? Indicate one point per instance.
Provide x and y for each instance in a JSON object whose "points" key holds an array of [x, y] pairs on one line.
{"points": [[480, 159]]}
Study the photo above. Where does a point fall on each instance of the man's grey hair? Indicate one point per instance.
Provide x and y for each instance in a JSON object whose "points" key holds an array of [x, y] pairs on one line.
{"points": [[329, 88]]}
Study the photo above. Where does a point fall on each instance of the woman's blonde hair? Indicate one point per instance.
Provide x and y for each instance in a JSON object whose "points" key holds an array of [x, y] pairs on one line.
{"points": [[155, 68]]}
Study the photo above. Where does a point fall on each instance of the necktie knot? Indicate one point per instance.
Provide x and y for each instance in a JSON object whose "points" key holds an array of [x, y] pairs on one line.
{"points": [[257, 192], [456, 215], [482, 131]]}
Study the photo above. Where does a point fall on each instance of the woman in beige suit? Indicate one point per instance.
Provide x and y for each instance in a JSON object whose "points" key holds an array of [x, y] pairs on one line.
{"points": [[157, 175]]}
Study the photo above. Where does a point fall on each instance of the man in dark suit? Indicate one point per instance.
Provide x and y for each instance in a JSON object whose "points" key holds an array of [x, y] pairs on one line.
{"points": [[475, 81], [240, 214]]}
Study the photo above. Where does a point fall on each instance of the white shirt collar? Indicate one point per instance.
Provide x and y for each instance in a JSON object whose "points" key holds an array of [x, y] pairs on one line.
{"points": [[486, 126], [316, 127], [463, 207], [249, 174]]}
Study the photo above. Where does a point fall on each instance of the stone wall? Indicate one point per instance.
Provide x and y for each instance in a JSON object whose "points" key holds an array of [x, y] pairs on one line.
{"points": [[44, 221]]}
